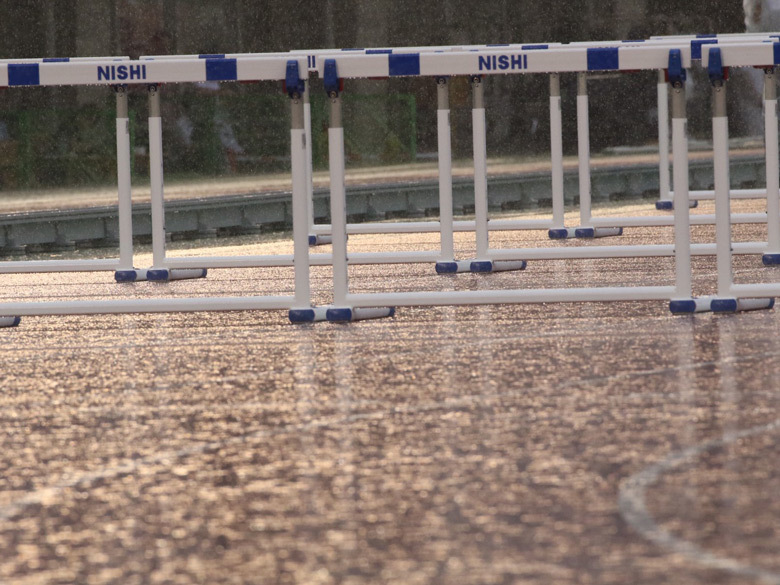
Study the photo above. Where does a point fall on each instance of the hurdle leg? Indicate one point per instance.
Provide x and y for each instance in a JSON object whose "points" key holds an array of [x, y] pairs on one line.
{"points": [[447, 263], [725, 301], [683, 301], [482, 263], [10, 321], [772, 256], [159, 272], [341, 311], [126, 271], [586, 229], [314, 238], [559, 231], [302, 312], [665, 201]]}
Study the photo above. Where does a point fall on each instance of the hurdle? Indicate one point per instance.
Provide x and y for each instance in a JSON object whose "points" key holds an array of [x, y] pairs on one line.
{"points": [[733, 297], [17, 72], [589, 226], [698, 43], [292, 72], [468, 63]]}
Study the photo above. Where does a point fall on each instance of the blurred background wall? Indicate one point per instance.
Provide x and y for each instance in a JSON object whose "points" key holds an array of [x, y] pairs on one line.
{"points": [[65, 136]]}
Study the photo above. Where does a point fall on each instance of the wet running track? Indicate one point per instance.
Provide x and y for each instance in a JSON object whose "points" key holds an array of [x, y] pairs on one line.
{"points": [[567, 444]]}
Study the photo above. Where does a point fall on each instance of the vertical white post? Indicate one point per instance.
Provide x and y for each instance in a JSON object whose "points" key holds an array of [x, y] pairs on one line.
{"points": [[663, 137], [445, 171], [772, 163], [720, 147], [556, 150], [338, 202], [682, 220], [479, 132], [309, 161], [583, 148], [156, 177], [123, 179], [299, 148]]}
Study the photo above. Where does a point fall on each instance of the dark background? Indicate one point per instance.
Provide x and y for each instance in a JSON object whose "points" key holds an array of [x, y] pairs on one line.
{"points": [[64, 136]]}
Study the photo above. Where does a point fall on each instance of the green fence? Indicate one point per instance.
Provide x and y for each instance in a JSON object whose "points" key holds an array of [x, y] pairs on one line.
{"points": [[205, 134]]}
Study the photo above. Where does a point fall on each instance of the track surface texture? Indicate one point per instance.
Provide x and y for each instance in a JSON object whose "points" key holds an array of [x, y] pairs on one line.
{"points": [[568, 444]]}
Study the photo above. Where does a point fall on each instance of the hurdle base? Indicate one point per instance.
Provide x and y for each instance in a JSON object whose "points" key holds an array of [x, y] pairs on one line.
{"points": [[308, 315], [453, 267], [348, 314], [771, 259], [590, 233], [732, 305], [133, 275], [561, 233], [488, 266], [166, 275], [668, 204], [320, 239], [10, 321], [690, 306]]}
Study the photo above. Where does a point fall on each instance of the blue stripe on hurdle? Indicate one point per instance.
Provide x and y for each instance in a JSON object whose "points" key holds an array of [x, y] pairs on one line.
{"points": [[24, 74], [56, 59], [221, 70], [633, 41], [696, 46], [379, 51], [603, 59], [534, 47], [214, 56], [776, 49], [404, 64]]}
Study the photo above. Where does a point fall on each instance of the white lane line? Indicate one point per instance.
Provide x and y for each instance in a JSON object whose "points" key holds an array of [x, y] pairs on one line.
{"points": [[631, 502]]}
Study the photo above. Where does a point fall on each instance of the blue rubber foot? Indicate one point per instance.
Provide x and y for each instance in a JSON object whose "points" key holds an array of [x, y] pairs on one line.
{"points": [[158, 275], [590, 232], [125, 275], [558, 234], [339, 315], [682, 307], [312, 240], [668, 204], [446, 267], [302, 315], [771, 259], [724, 306], [481, 266], [735, 305]]}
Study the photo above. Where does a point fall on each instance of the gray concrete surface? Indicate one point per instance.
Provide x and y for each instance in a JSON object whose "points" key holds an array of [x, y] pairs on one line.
{"points": [[565, 444]]}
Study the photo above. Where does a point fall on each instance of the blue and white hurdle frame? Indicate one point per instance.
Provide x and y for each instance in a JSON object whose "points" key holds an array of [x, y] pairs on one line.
{"points": [[732, 297], [472, 64], [292, 71], [23, 72]]}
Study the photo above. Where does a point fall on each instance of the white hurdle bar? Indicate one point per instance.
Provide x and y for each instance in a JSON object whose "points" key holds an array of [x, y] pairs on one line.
{"points": [[290, 70]]}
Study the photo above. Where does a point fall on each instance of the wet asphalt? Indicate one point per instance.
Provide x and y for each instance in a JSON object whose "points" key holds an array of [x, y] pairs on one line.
{"points": [[567, 444]]}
